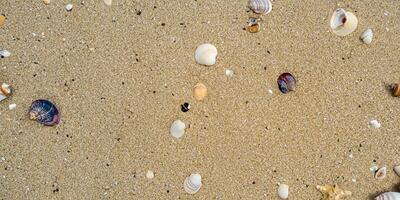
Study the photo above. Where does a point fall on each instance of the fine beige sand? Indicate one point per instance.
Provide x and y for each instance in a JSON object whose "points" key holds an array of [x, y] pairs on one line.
{"points": [[119, 84]]}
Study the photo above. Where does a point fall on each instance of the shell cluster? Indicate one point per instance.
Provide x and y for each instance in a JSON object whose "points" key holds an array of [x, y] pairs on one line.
{"points": [[333, 192], [286, 82], [343, 23], [44, 112], [206, 54], [192, 183], [388, 196], [5, 91], [260, 6]]}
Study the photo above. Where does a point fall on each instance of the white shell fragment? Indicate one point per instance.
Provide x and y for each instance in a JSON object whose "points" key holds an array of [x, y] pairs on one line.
{"points": [[388, 196], [192, 183], [381, 173], [229, 72], [12, 106], [367, 36], [69, 7], [4, 54], [373, 169], [283, 191], [5, 91], [343, 23], [397, 169], [177, 129], [374, 123], [260, 6], [206, 54], [150, 174], [108, 2]]}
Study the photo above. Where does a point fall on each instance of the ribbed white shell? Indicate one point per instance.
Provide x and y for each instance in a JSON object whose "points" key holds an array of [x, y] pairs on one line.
{"points": [[192, 183], [367, 36], [260, 6], [388, 196], [206, 54]]}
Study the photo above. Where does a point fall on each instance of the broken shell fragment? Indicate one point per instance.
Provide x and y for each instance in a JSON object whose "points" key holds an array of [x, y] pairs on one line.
{"points": [[283, 191], [397, 169], [375, 123], [2, 19], [260, 6], [253, 25], [333, 192], [388, 196], [44, 112], [108, 2], [343, 23], [177, 129], [206, 54], [150, 174], [380, 173], [4, 54], [200, 91], [47, 2], [192, 183], [69, 7], [286, 82], [395, 88], [5, 91], [367, 36]]}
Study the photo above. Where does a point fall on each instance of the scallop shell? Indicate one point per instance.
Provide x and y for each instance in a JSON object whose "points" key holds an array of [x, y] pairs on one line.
{"points": [[5, 91], [367, 36], [283, 191], [206, 54], [4, 54], [200, 91], [397, 169], [108, 2], [253, 25], [177, 129], [388, 196], [44, 112], [286, 82], [395, 88], [2, 19], [380, 173], [342, 22], [192, 183], [260, 6]]}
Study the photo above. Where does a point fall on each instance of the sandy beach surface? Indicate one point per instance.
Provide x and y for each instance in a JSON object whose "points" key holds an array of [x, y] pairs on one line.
{"points": [[119, 74]]}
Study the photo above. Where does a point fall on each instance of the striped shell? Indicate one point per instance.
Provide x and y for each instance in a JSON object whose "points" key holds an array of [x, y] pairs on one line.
{"points": [[44, 112], [260, 6], [388, 196]]}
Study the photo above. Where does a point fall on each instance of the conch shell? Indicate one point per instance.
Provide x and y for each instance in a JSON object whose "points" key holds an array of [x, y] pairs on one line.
{"points": [[342, 22], [333, 192]]}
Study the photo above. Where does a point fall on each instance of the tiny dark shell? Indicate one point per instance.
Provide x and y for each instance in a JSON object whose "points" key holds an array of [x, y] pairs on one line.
{"points": [[286, 82], [44, 112], [185, 107]]}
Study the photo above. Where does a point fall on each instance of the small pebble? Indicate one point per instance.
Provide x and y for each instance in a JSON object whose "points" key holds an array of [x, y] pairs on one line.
{"points": [[150, 174], [69, 7], [12, 106], [351, 156], [270, 91], [185, 107], [228, 72], [373, 169], [354, 179], [374, 123]]}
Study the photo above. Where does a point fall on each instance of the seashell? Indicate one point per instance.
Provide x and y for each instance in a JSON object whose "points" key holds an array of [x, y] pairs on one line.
{"points": [[185, 107], [330, 192], [12, 106], [5, 91], [108, 2], [199, 91], [380, 173], [229, 72], [395, 88], [69, 7], [4, 54], [177, 129], [44, 112], [286, 82], [206, 54], [192, 183], [253, 25], [397, 169], [367, 36], [283, 191], [260, 6], [2, 19], [343, 23], [150, 174], [375, 123], [388, 196], [47, 2]]}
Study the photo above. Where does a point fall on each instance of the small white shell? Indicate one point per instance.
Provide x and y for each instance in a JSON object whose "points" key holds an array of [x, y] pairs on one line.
{"points": [[206, 54], [4, 54], [388, 196], [5, 91], [381, 173], [260, 6], [150, 174], [69, 7], [367, 36], [397, 169], [192, 183], [177, 129], [343, 23], [283, 191], [108, 2], [375, 123], [228, 72], [12, 106]]}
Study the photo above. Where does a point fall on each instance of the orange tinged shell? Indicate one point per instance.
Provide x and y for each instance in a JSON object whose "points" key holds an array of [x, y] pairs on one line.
{"points": [[2, 19], [395, 89], [254, 28], [199, 91], [47, 2]]}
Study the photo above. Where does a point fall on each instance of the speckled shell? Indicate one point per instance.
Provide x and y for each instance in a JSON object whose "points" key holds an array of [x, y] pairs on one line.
{"points": [[260, 6], [44, 112], [286, 82], [395, 88], [343, 23], [388, 196]]}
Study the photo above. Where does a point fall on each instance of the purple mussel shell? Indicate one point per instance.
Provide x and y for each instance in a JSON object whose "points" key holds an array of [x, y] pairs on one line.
{"points": [[44, 112], [286, 82]]}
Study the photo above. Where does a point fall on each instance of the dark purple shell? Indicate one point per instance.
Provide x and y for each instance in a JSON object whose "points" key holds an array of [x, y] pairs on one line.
{"points": [[44, 112], [286, 82]]}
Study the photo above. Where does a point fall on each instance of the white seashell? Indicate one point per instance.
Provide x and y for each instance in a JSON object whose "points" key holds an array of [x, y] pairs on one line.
{"points": [[206, 54], [343, 23], [373, 169], [150, 174], [12, 106], [4, 54], [108, 2], [69, 7], [260, 6], [367, 36], [283, 191], [5, 91], [192, 183], [228, 72], [374, 123], [270, 92], [397, 169], [388, 196], [177, 129], [381, 173]]}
